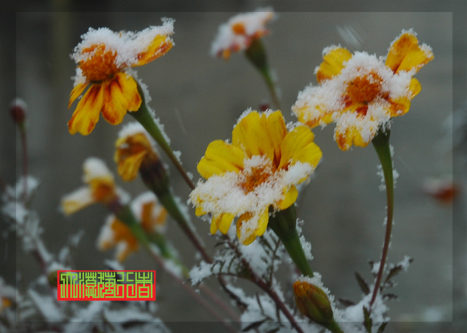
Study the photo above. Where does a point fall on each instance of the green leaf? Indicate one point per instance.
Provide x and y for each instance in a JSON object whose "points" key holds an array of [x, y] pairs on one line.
{"points": [[382, 327], [368, 321], [362, 283], [395, 270]]}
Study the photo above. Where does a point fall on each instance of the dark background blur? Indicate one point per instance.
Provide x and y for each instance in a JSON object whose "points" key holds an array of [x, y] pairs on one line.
{"points": [[198, 98]]}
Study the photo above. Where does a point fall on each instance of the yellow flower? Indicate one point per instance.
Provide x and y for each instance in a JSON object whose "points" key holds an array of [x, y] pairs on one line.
{"points": [[117, 234], [240, 31], [104, 59], [100, 188], [258, 170], [134, 146], [361, 92]]}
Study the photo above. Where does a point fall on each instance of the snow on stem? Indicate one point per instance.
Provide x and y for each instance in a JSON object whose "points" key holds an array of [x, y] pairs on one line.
{"points": [[144, 117], [283, 223]]}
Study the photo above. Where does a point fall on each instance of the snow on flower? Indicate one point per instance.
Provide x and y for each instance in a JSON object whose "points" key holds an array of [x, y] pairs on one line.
{"points": [[240, 31], [115, 233], [100, 188], [258, 170], [104, 58], [134, 146], [361, 92]]}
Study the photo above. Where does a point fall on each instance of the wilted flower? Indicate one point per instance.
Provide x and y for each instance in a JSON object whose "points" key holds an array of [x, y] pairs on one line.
{"points": [[361, 92], [115, 233], [240, 31], [134, 146], [100, 188], [259, 169], [104, 59]]}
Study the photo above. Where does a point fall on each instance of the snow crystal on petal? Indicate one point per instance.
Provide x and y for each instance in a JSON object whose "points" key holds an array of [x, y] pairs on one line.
{"points": [[253, 24], [95, 168]]}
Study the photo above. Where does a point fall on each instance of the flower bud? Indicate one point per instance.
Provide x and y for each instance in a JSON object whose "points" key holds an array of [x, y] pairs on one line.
{"points": [[313, 302], [17, 111], [154, 175]]}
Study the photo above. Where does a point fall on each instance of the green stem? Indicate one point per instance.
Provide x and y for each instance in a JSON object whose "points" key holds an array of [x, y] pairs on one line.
{"points": [[381, 144], [284, 225], [333, 326], [125, 214], [144, 117], [256, 53]]}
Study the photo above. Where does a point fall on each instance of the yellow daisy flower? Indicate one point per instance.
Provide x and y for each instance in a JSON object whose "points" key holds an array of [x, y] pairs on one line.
{"points": [[240, 31], [117, 234], [134, 147], [100, 188], [361, 92], [255, 172], [104, 58]]}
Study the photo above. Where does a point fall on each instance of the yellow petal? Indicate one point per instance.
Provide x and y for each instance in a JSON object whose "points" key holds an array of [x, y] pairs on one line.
{"points": [[221, 157], [87, 111], [251, 133], [415, 87], [289, 199], [351, 136], [298, 146], [221, 222], [399, 106], [214, 224], [160, 45], [323, 117], [147, 222], [225, 222], [405, 54], [251, 236], [76, 92], [333, 63], [128, 167], [77, 200], [277, 132], [120, 95], [199, 211], [263, 222]]}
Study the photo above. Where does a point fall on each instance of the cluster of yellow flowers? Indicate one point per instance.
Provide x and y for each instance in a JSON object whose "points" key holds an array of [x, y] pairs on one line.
{"points": [[260, 169]]}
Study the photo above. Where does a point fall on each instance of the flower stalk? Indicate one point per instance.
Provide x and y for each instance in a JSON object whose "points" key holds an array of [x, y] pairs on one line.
{"points": [[18, 115], [156, 179], [144, 117], [382, 147], [283, 223], [125, 214], [256, 53]]}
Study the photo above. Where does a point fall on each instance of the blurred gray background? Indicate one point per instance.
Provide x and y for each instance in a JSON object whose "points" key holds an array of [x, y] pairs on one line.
{"points": [[198, 98]]}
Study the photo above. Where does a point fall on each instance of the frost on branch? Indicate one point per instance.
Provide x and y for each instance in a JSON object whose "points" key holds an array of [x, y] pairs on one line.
{"points": [[361, 316], [263, 258]]}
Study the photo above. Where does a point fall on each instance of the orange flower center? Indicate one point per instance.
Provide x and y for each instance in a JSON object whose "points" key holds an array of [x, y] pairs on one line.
{"points": [[239, 28], [100, 64], [103, 192], [256, 177], [134, 145], [364, 89]]}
